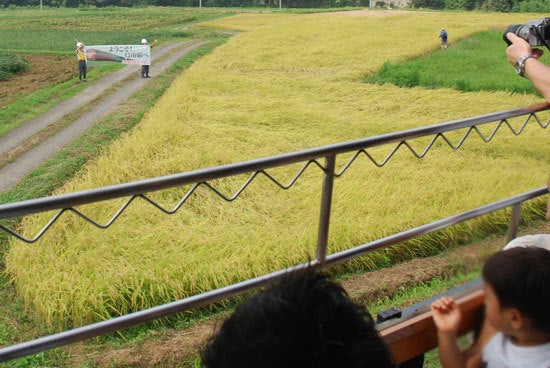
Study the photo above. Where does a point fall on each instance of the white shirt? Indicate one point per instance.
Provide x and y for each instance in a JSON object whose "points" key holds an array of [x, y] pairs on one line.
{"points": [[501, 353]]}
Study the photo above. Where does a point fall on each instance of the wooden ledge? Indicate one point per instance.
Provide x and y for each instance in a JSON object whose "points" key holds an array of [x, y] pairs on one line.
{"points": [[414, 333]]}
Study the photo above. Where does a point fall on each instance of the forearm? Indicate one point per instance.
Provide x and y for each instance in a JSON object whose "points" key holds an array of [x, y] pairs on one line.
{"points": [[539, 74], [450, 354]]}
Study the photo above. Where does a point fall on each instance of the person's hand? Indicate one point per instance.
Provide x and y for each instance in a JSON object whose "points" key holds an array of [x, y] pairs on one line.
{"points": [[518, 48], [446, 315]]}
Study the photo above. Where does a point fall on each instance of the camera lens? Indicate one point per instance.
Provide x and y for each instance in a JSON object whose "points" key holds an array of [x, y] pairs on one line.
{"points": [[517, 29]]}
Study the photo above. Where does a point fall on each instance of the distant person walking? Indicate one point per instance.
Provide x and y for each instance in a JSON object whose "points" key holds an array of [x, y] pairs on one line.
{"points": [[444, 38], [145, 68], [81, 56]]}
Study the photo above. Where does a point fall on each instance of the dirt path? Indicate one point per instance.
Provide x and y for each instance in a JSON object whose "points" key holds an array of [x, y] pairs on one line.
{"points": [[123, 84]]}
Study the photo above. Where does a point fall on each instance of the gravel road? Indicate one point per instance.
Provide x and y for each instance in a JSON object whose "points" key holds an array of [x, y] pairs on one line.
{"points": [[163, 57]]}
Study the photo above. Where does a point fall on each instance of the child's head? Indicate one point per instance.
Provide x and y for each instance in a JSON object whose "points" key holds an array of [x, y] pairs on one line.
{"points": [[518, 278], [304, 320]]}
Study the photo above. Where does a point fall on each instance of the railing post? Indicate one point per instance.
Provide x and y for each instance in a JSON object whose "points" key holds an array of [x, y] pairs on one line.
{"points": [[514, 222], [326, 204]]}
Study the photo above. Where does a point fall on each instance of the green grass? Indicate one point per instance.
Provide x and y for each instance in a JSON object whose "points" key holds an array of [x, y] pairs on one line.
{"points": [[55, 30], [111, 19], [472, 64], [409, 296], [63, 41]]}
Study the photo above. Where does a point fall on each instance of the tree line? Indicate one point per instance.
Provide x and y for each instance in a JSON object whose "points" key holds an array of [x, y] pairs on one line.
{"points": [[520, 6]]}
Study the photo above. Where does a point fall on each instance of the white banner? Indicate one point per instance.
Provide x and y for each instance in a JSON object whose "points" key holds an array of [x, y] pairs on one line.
{"points": [[125, 54]]}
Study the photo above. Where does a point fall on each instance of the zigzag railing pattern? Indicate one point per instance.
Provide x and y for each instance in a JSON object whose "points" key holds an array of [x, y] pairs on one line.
{"points": [[312, 157], [259, 167]]}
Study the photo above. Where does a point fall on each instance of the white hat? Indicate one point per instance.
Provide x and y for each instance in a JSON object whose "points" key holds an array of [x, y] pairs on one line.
{"points": [[143, 40], [78, 44]]}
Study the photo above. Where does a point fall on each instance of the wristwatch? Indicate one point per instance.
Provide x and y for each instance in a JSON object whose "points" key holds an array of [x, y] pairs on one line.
{"points": [[520, 64]]}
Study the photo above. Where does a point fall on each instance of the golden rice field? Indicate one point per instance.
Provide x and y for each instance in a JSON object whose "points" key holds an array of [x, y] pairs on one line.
{"points": [[285, 83]]}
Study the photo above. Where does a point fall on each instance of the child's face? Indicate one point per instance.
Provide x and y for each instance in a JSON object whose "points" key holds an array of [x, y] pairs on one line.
{"points": [[496, 316]]}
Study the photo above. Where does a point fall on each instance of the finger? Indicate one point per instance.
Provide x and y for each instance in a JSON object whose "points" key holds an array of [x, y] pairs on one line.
{"points": [[512, 37], [436, 306], [440, 306]]}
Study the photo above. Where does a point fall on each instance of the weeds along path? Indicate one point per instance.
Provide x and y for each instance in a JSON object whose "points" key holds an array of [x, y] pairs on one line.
{"points": [[111, 91]]}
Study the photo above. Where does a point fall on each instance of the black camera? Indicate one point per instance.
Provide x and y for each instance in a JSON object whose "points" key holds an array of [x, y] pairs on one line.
{"points": [[536, 32]]}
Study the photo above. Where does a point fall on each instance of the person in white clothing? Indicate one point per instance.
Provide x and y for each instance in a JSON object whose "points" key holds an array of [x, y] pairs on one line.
{"points": [[501, 352], [516, 330], [535, 240]]}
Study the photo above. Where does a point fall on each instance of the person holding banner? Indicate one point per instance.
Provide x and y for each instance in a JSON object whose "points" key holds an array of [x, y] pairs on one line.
{"points": [[81, 56], [145, 68]]}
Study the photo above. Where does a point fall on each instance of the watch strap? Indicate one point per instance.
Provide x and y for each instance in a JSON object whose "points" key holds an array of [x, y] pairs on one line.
{"points": [[520, 64]]}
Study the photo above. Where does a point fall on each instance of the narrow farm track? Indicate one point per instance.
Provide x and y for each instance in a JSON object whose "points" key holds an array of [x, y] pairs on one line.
{"points": [[119, 87]]}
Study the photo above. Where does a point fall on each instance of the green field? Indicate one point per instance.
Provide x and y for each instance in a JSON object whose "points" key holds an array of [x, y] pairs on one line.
{"points": [[55, 30], [461, 67], [287, 82]]}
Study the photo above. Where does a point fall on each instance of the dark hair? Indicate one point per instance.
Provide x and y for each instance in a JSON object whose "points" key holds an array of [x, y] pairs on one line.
{"points": [[520, 278], [304, 320]]}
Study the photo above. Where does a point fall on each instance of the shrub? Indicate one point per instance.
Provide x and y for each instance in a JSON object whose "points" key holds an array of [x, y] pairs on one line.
{"points": [[531, 6], [11, 64]]}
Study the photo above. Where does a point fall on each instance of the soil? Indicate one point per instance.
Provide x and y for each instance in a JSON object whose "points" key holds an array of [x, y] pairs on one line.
{"points": [[171, 348], [44, 71]]}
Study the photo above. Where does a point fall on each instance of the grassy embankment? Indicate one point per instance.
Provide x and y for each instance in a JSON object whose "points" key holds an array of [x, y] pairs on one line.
{"points": [[288, 83]]}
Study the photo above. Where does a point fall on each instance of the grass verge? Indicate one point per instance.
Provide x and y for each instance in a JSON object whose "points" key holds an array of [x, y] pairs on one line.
{"points": [[32, 105]]}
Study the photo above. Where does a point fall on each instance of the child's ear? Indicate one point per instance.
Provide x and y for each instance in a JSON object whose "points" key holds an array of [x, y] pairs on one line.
{"points": [[517, 319]]}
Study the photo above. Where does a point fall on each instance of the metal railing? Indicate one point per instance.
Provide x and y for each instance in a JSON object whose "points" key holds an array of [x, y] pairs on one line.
{"points": [[310, 157]]}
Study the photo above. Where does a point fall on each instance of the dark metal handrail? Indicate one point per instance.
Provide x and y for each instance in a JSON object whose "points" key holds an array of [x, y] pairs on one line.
{"points": [[66, 202], [16, 209], [132, 319]]}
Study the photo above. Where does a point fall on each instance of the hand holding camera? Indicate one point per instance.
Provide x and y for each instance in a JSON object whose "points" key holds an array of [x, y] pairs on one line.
{"points": [[519, 51], [521, 54], [520, 38], [535, 32]]}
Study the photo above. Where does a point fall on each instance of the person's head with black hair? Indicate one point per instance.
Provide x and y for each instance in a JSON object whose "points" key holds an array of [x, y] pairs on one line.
{"points": [[517, 290], [303, 320]]}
